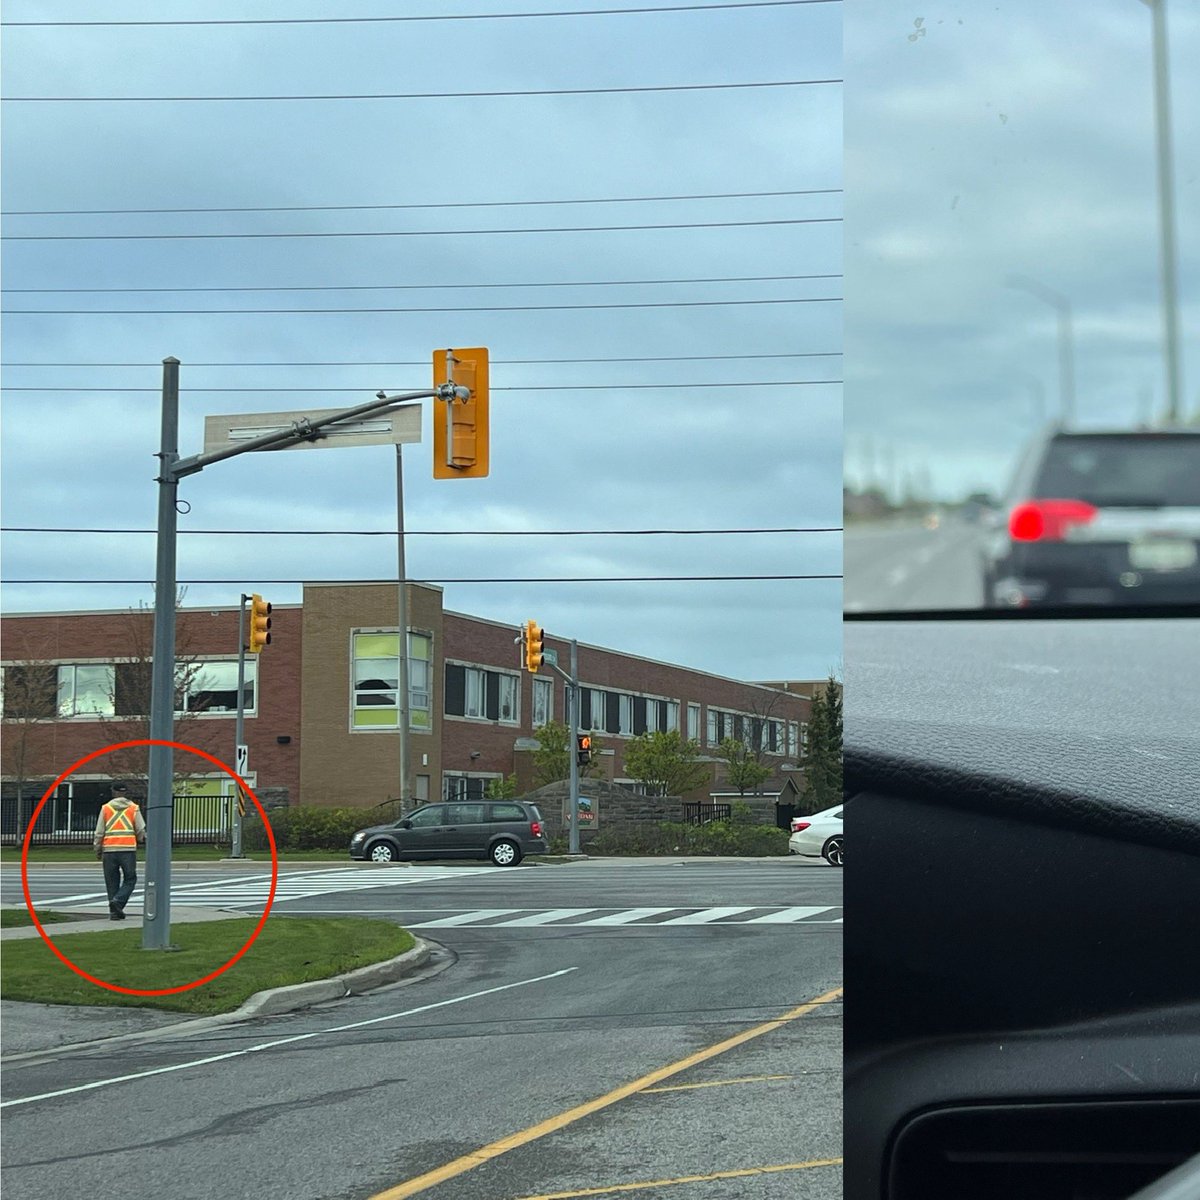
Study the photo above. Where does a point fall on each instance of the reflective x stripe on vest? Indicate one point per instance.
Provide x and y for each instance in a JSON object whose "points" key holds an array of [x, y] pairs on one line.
{"points": [[119, 831]]}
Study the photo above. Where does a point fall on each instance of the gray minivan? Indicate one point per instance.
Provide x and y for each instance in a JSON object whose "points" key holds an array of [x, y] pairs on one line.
{"points": [[502, 830]]}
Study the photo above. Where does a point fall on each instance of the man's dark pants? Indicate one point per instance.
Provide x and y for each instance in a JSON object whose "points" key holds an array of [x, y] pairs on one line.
{"points": [[120, 876]]}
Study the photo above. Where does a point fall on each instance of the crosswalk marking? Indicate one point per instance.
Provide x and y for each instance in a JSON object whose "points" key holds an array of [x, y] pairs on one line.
{"points": [[482, 914], [630, 914], [787, 915], [705, 915], [639, 918], [543, 918]]}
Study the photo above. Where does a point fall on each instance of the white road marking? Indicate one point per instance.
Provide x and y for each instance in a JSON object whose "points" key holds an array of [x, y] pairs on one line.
{"points": [[300, 1037], [464, 918], [786, 915], [543, 918], [705, 915], [630, 914]]}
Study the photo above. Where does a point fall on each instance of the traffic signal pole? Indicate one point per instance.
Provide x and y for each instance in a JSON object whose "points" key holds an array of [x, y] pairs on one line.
{"points": [[573, 827], [402, 698], [160, 800], [156, 923]]}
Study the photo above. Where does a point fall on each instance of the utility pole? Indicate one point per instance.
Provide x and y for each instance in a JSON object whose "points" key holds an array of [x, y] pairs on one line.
{"points": [[402, 700], [160, 800]]}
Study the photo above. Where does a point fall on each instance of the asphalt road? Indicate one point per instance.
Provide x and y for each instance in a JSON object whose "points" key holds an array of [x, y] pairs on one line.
{"points": [[889, 568], [515, 1067]]}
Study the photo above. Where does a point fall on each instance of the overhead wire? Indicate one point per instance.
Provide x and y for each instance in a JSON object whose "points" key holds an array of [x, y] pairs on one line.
{"points": [[424, 362], [537, 387], [433, 532], [420, 17], [81, 212], [469, 579]]}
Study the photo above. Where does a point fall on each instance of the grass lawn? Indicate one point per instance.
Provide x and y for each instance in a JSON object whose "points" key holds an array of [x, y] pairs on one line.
{"points": [[11, 918], [289, 950]]}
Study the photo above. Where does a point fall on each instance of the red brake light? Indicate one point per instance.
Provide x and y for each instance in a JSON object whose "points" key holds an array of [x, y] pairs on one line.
{"points": [[535, 828], [798, 825], [1048, 520]]}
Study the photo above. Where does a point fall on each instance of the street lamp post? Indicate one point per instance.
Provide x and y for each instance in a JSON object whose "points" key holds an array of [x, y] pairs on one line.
{"points": [[1066, 341], [1166, 209]]}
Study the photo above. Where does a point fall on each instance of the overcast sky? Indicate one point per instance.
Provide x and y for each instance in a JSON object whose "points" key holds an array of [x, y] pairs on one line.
{"points": [[740, 430], [989, 141]]}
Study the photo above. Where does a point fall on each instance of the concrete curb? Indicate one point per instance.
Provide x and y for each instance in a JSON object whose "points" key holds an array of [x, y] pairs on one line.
{"points": [[268, 1003], [354, 983]]}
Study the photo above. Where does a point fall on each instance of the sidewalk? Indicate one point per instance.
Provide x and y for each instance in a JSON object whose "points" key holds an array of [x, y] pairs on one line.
{"points": [[98, 921]]}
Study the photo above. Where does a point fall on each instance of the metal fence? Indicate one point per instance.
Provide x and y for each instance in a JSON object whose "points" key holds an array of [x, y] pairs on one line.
{"points": [[697, 812], [196, 820]]}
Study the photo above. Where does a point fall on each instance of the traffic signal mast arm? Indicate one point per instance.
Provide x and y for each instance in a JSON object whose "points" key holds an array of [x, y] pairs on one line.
{"points": [[305, 430]]}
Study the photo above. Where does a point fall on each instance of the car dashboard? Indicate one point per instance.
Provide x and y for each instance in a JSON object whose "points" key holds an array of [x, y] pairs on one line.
{"points": [[1022, 929]]}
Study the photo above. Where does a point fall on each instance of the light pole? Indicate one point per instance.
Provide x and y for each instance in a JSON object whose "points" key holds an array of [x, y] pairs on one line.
{"points": [[1066, 341], [1166, 209]]}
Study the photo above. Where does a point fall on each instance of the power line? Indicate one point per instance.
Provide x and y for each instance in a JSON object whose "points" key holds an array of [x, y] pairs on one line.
{"points": [[433, 532], [424, 287], [424, 362], [540, 387], [123, 312], [82, 212], [381, 233], [606, 91], [472, 579], [503, 16]]}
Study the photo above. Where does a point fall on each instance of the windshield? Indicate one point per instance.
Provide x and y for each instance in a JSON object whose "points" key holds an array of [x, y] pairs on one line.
{"points": [[1021, 249]]}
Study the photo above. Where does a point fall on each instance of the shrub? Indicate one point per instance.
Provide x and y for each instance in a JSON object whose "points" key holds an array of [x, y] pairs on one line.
{"points": [[669, 837], [306, 828]]}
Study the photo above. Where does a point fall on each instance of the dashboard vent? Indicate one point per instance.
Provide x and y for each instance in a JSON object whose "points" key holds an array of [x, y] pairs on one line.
{"points": [[1068, 1151]]}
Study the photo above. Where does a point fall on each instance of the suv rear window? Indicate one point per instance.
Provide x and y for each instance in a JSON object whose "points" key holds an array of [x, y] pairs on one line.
{"points": [[1122, 470]]}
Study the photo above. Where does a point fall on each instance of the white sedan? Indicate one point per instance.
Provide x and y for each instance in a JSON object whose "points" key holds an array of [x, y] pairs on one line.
{"points": [[818, 835]]}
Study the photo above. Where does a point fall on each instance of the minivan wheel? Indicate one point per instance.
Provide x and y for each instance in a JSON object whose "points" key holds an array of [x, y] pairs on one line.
{"points": [[381, 852], [831, 852], [505, 854]]}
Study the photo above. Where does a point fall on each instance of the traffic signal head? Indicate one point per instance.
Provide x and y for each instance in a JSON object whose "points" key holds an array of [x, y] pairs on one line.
{"points": [[534, 642], [460, 426], [583, 749], [260, 625]]}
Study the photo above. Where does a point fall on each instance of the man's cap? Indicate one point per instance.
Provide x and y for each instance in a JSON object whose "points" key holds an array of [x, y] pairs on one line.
{"points": [[119, 787]]}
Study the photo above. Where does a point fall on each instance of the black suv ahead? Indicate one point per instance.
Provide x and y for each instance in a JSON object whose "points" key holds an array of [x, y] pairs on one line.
{"points": [[1100, 518], [502, 830]]}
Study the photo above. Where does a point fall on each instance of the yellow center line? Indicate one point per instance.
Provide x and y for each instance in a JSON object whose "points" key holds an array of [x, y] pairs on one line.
{"points": [[687, 1087], [635, 1187], [467, 1162]]}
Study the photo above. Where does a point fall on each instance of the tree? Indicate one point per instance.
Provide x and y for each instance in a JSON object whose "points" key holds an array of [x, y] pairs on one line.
{"points": [[501, 789], [744, 770], [129, 719], [30, 699], [552, 758], [666, 763], [823, 762]]}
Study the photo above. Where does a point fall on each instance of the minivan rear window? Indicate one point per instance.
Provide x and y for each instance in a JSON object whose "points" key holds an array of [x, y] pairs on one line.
{"points": [[1122, 470], [507, 812]]}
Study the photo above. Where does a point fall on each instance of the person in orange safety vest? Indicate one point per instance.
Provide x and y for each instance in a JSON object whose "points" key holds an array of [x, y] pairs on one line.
{"points": [[119, 829]]}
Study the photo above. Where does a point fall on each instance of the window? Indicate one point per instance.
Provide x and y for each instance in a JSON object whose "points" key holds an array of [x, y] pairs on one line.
{"points": [[543, 702], [625, 714], [462, 787], [714, 732], [426, 818], [481, 693], [653, 708], [507, 812], [475, 692], [211, 687], [804, 737], [793, 739], [508, 698], [86, 690], [421, 791], [672, 722], [598, 710], [693, 729], [30, 692], [465, 814], [376, 680]]}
